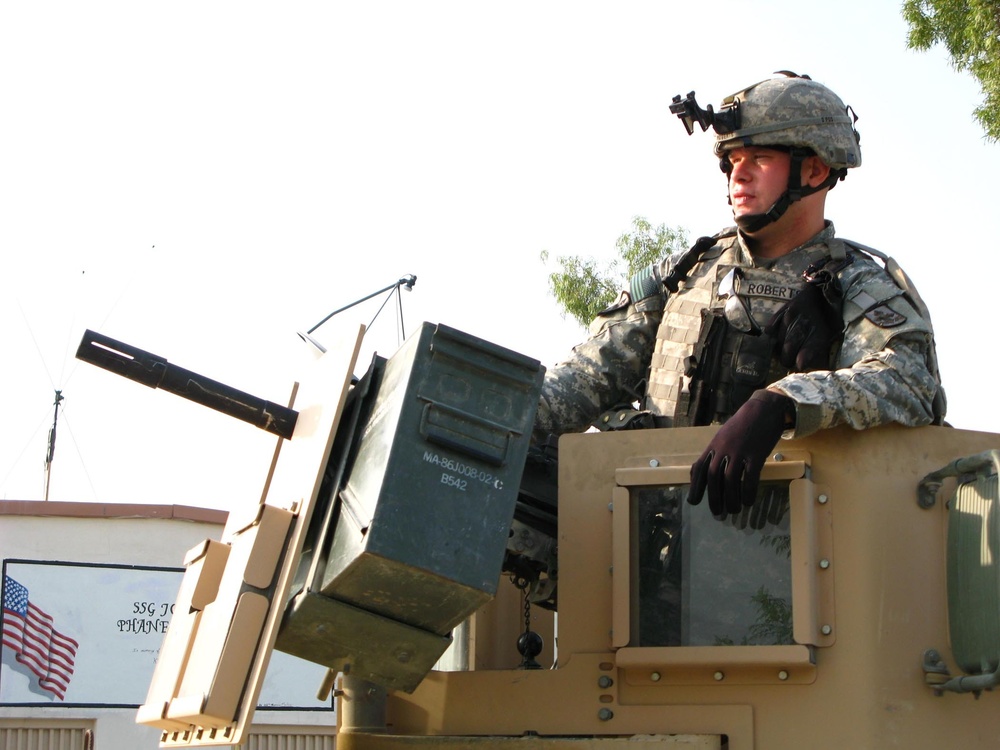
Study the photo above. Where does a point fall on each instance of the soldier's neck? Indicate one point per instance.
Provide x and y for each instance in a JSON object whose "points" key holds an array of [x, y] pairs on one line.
{"points": [[790, 231]]}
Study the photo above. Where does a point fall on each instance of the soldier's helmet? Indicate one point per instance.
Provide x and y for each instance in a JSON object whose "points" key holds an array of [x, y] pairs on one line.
{"points": [[791, 111]]}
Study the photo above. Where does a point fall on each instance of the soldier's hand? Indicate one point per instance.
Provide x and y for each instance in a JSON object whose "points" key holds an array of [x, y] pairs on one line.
{"points": [[805, 330], [731, 464]]}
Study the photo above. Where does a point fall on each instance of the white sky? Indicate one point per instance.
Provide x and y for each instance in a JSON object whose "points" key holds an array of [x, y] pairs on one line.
{"points": [[202, 180]]}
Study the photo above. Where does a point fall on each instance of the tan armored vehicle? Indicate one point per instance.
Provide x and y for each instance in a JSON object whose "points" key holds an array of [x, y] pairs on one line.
{"points": [[855, 605]]}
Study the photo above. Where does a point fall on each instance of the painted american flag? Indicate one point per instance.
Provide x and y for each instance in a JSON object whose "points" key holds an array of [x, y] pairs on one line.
{"points": [[28, 632]]}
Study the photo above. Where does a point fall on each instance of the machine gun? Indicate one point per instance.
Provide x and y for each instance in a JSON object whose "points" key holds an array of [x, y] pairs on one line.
{"points": [[385, 523]]}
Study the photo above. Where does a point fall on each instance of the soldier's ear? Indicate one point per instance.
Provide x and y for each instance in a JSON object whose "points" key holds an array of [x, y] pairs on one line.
{"points": [[814, 171]]}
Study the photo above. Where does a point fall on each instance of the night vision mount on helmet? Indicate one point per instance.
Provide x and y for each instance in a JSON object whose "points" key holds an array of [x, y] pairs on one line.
{"points": [[792, 113]]}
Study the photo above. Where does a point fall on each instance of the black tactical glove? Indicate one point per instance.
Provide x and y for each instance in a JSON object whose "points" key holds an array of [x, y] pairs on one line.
{"points": [[805, 330], [731, 464]]}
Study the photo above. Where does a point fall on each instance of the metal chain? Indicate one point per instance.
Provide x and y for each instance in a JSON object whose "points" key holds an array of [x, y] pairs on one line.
{"points": [[527, 611]]}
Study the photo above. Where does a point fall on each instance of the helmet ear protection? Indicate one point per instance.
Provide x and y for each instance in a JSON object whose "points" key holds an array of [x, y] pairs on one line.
{"points": [[792, 113]]}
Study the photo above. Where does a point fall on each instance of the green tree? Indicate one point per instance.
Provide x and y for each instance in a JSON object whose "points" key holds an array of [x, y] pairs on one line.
{"points": [[585, 286], [970, 30]]}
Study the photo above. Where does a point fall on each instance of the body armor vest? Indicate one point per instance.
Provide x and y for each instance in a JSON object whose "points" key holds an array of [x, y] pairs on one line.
{"points": [[703, 369]]}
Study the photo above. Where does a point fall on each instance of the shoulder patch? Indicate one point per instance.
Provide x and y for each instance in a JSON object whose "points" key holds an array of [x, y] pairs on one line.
{"points": [[645, 284], [885, 317]]}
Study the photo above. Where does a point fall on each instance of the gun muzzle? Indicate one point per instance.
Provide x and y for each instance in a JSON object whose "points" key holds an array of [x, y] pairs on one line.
{"points": [[155, 372]]}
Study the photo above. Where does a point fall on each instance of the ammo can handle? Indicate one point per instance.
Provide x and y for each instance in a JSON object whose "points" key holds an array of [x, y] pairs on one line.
{"points": [[456, 429]]}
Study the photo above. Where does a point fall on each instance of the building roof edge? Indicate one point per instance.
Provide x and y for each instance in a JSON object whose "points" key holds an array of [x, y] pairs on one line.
{"points": [[111, 510]]}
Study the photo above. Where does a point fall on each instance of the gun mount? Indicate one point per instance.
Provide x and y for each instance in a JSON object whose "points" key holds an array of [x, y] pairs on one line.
{"points": [[396, 532]]}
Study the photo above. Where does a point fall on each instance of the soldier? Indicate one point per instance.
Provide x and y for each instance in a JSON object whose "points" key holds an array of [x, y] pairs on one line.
{"points": [[775, 327]]}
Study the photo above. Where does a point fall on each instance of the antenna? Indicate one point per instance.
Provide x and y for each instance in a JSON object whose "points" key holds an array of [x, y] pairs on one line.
{"points": [[50, 450], [406, 282]]}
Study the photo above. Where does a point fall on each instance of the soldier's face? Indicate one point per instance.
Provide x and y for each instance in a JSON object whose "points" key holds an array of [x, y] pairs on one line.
{"points": [[758, 178]]}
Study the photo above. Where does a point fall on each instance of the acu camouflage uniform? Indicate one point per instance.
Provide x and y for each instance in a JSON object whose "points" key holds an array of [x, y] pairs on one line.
{"points": [[884, 371]]}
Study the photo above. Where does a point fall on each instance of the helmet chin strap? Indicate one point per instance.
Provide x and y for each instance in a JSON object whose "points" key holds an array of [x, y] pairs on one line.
{"points": [[751, 223]]}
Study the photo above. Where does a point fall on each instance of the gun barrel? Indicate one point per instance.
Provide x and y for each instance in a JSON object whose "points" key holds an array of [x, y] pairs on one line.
{"points": [[156, 372]]}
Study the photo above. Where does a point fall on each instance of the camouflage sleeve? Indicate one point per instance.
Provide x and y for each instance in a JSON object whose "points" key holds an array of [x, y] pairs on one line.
{"points": [[604, 371], [893, 384], [886, 369]]}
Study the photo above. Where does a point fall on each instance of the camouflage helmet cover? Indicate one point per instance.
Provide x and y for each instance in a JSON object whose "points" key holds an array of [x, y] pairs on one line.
{"points": [[793, 111]]}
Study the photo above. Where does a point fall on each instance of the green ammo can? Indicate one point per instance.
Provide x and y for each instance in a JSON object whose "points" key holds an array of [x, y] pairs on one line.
{"points": [[427, 461]]}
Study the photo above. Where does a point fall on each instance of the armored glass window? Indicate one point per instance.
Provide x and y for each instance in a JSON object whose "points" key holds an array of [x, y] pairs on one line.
{"points": [[701, 581]]}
